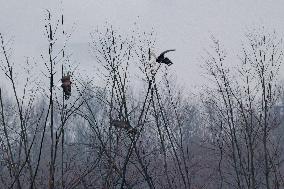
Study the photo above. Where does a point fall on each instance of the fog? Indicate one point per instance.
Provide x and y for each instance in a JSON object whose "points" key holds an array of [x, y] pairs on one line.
{"points": [[185, 25]]}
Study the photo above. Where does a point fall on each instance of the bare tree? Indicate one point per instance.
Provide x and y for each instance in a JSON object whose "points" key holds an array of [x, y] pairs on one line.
{"points": [[241, 111]]}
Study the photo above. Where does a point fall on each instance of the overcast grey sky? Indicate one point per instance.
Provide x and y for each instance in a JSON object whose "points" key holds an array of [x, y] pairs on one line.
{"points": [[185, 25]]}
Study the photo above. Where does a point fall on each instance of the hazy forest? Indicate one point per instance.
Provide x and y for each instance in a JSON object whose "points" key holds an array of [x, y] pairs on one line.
{"points": [[136, 127]]}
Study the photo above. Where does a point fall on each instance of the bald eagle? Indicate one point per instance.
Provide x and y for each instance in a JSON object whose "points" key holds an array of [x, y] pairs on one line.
{"points": [[123, 125], [161, 58], [66, 85]]}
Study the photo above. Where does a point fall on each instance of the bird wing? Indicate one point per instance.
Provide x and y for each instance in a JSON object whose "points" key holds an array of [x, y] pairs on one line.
{"points": [[167, 61], [163, 53]]}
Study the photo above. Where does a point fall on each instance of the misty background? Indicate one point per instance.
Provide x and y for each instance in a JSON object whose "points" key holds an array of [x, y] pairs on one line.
{"points": [[184, 25], [98, 112]]}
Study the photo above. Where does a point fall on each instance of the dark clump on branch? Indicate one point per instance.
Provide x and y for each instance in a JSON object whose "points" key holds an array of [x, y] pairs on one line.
{"points": [[66, 85], [162, 59], [123, 125]]}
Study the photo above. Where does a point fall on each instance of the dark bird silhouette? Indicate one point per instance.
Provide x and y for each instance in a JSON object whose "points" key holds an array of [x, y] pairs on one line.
{"points": [[66, 85], [161, 58]]}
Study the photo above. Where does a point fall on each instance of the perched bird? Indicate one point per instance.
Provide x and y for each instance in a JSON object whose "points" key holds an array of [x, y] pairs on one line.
{"points": [[66, 85], [162, 59], [120, 124], [123, 125]]}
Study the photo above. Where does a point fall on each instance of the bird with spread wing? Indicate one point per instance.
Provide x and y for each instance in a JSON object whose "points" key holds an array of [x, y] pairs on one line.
{"points": [[161, 58]]}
